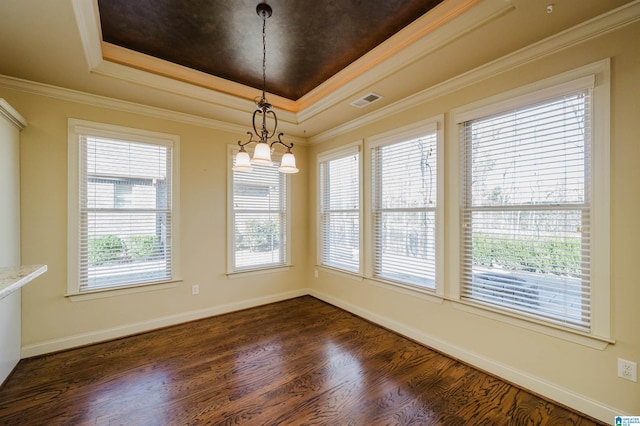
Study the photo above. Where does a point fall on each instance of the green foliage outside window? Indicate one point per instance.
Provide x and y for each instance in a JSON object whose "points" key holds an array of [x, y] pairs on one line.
{"points": [[259, 236], [105, 249], [553, 256], [110, 249], [141, 247]]}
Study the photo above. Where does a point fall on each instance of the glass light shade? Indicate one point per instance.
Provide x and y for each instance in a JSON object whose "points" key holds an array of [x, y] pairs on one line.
{"points": [[262, 154], [288, 164], [243, 162]]}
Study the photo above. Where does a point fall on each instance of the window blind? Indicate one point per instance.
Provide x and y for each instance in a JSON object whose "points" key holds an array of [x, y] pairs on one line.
{"points": [[526, 209], [125, 212], [259, 215], [340, 211], [404, 210]]}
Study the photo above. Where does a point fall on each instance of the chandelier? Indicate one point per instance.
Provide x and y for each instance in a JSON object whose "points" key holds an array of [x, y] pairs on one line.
{"points": [[263, 149]]}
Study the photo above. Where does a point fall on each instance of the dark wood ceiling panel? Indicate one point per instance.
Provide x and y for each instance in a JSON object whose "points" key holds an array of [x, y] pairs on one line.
{"points": [[308, 41]]}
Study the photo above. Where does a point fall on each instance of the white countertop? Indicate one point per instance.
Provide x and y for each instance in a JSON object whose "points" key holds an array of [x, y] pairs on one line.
{"points": [[14, 277]]}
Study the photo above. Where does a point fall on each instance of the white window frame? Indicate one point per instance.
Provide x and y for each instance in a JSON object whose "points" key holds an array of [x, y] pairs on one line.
{"points": [[76, 128], [325, 157], [232, 271], [405, 133], [599, 74]]}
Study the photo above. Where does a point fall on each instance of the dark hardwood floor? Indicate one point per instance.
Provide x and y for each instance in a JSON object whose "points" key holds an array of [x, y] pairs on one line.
{"points": [[296, 362]]}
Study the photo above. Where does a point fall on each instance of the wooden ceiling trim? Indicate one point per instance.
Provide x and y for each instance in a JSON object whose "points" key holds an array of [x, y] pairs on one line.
{"points": [[420, 28], [141, 61]]}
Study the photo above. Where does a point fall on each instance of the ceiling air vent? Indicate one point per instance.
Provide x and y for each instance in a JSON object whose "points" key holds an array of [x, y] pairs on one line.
{"points": [[366, 100]]}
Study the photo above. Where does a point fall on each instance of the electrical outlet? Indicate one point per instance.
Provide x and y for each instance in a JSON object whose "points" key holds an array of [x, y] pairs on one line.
{"points": [[315, 273], [628, 370], [195, 289]]}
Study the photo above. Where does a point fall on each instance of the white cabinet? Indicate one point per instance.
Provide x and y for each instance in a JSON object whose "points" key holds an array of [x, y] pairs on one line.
{"points": [[11, 123]]}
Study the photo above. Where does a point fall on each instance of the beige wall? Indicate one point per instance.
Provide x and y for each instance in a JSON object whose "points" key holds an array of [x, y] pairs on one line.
{"points": [[577, 375], [52, 321], [582, 377]]}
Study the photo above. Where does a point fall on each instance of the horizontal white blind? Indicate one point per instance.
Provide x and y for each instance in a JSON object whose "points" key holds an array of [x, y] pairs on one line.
{"points": [[125, 212], [526, 210], [259, 214], [404, 210], [340, 212]]}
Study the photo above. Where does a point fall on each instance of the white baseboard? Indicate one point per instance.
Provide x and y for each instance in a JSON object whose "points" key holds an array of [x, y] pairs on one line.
{"points": [[535, 384], [143, 326]]}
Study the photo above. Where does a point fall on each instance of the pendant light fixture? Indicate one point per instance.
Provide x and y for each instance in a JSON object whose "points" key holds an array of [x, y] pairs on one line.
{"points": [[263, 149]]}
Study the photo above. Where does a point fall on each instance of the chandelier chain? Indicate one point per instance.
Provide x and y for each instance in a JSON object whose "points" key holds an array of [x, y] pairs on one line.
{"points": [[262, 153], [264, 55]]}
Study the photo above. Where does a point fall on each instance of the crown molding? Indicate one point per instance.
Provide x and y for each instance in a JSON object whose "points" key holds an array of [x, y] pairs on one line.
{"points": [[70, 95], [448, 21], [180, 88], [14, 117], [55, 92], [88, 20], [183, 82], [419, 38], [64, 94], [159, 74], [596, 27]]}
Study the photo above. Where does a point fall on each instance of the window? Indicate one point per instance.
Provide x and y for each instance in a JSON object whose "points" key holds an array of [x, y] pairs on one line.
{"points": [[404, 194], [123, 224], [340, 209], [528, 209], [258, 227]]}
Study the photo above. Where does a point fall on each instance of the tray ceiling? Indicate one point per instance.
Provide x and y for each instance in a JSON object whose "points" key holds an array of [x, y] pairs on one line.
{"points": [[308, 41]]}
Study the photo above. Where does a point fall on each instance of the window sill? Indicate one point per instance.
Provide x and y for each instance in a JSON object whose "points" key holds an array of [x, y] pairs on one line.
{"points": [[539, 326], [411, 290], [121, 291], [258, 271], [341, 272], [408, 289]]}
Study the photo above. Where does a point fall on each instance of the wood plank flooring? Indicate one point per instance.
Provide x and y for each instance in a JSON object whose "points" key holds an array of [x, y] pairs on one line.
{"points": [[295, 362]]}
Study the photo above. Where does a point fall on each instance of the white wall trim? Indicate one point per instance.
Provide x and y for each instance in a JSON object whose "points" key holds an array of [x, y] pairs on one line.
{"points": [[14, 117], [70, 95], [445, 22], [611, 21], [90, 33], [88, 20], [527, 381], [55, 92], [83, 339], [598, 26], [438, 27]]}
